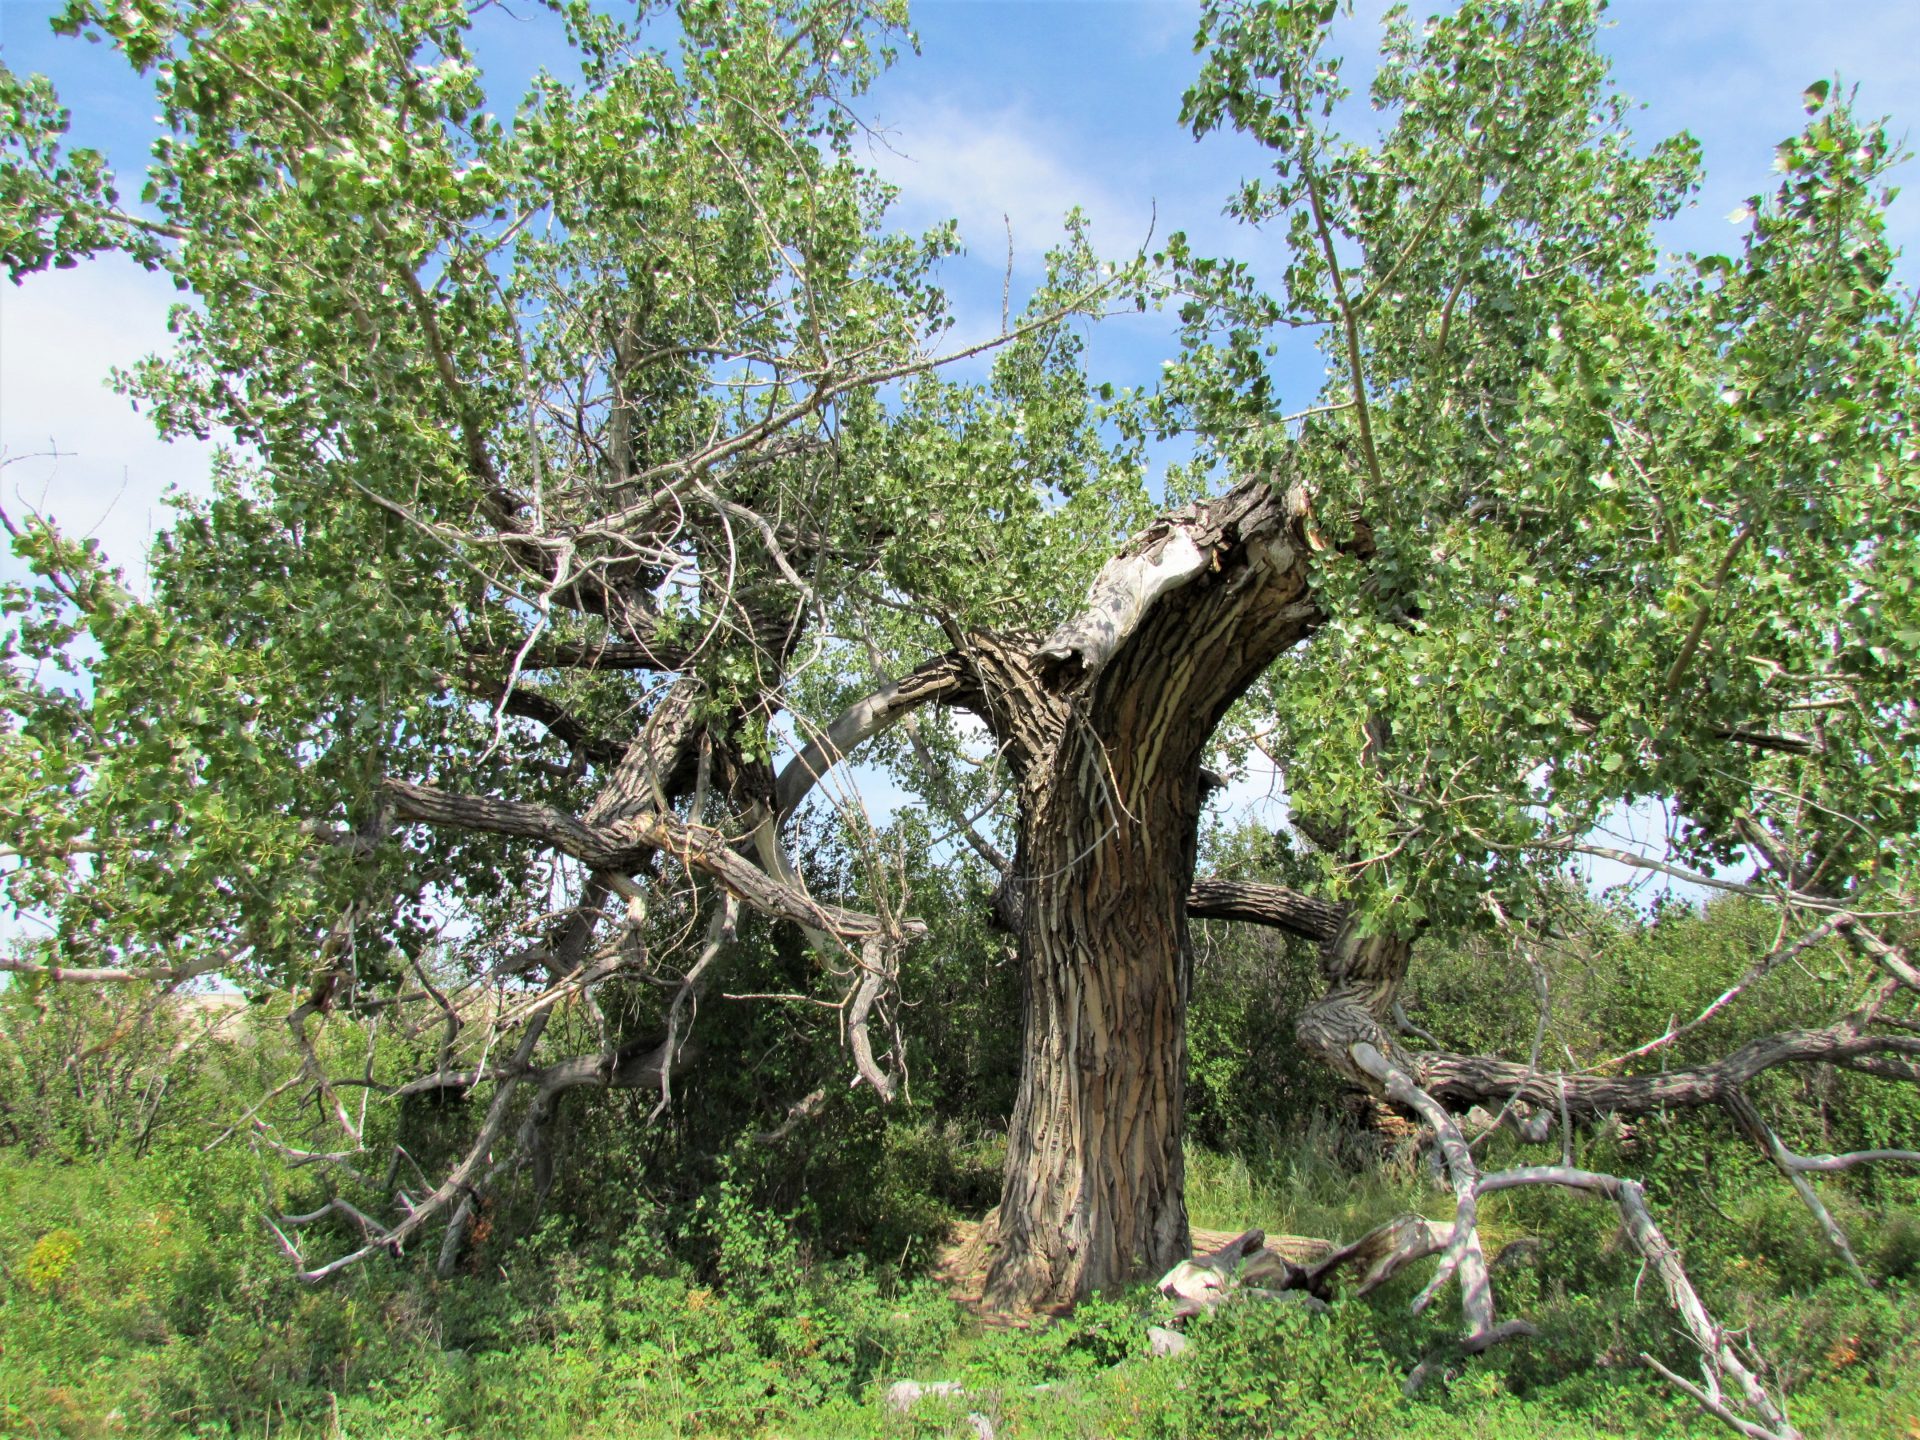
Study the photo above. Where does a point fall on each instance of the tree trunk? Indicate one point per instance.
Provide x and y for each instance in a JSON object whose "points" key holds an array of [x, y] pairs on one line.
{"points": [[1109, 721], [1363, 974], [1094, 1189]]}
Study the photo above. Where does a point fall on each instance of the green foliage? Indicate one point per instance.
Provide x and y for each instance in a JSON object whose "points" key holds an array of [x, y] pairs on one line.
{"points": [[59, 201], [1616, 513], [176, 1312], [1617, 980], [401, 280], [1247, 1080], [83, 1072], [1279, 1369], [1245, 1077], [732, 1288], [142, 1289], [1588, 529]]}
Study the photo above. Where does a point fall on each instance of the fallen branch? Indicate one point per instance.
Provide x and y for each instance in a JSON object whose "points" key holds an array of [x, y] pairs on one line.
{"points": [[1719, 1360]]}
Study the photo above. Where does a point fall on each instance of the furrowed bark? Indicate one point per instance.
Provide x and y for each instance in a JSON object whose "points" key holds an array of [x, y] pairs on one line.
{"points": [[1363, 974], [1272, 905], [659, 763], [1470, 1079], [1111, 716]]}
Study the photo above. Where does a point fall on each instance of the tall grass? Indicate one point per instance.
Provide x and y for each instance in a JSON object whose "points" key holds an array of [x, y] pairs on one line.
{"points": [[141, 1298], [1328, 1180]]}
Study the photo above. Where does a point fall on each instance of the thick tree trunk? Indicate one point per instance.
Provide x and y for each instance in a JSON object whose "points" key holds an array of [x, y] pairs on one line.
{"points": [[1094, 1188], [1116, 711]]}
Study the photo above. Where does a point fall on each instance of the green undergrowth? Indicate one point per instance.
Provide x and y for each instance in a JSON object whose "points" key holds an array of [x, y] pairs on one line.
{"points": [[144, 1297], [681, 1280], [1324, 1180]]}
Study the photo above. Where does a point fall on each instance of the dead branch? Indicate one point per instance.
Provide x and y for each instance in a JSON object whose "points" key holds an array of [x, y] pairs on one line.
{"points": [[878, 970], [798, 1113], [1720, 1361], [615, 849]]}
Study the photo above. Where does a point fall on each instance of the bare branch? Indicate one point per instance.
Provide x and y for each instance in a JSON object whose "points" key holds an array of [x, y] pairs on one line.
{"points": [[1275, 905], [1719, 1359], [97, 975], [937, 680], [1463, 1252], [695, 846], [878, 972], [1760, 968], [1747, 1119], [800, 1111]]}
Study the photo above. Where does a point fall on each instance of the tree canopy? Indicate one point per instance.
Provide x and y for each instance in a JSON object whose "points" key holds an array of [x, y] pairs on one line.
{"points": [[603, 481]]}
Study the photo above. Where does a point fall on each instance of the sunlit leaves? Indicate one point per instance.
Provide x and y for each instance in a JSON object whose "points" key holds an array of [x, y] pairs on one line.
{"points": [[1631, 513], [442, 321]]}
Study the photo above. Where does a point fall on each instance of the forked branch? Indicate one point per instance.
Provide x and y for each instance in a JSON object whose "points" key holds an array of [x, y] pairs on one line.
{"points": [[1729, 1387]]}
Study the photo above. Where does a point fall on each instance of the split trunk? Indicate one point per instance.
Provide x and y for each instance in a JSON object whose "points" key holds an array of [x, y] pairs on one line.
{"points": [[1110, 719]]}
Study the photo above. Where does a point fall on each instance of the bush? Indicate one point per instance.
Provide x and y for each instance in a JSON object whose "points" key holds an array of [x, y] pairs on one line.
{"points": [[681, 1278], [1260, 1368]]}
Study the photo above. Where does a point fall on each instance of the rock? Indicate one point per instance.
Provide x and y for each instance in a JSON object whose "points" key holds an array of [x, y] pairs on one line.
{"points": [[903, 1395], [1164, 1342]]}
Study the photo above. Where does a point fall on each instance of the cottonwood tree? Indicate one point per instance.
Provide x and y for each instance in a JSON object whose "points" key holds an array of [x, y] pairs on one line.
{"points": [[589, 455]]}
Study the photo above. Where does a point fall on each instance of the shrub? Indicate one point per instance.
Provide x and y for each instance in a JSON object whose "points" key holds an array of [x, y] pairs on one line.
{"points": [[1261, 1369]]}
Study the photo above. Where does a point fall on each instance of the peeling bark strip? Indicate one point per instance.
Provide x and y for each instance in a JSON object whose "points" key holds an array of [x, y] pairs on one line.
{"points": [[1121, 597], [1108, 721]]}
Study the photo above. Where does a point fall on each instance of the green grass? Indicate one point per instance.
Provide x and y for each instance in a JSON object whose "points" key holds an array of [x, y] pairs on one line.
{"points": [[1319, 1183], [144, 1299]]}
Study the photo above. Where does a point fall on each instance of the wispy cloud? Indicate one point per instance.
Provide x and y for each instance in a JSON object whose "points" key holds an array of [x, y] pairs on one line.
{"points": [[1732, 75], [1162, 27], [998, 168], [60, 335]]}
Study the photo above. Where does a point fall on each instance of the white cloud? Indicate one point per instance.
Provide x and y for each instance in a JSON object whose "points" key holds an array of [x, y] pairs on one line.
{"points": [[60, 335], [1161, 26], [991, 169]]}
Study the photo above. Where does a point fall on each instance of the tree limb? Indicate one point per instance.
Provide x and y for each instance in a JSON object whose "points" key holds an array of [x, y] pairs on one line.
{"points": [[695, 846], [1251, 903]]}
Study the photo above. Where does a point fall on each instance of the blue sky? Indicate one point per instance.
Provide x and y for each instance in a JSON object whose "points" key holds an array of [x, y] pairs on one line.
{"points": [[1014, 110]]}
